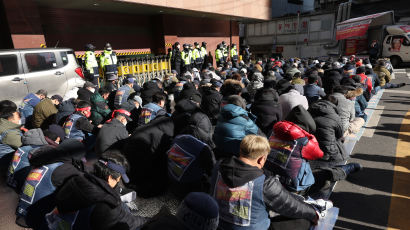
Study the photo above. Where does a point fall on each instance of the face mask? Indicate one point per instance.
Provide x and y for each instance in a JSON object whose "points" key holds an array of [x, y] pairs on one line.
{"points": [[91, 89]]}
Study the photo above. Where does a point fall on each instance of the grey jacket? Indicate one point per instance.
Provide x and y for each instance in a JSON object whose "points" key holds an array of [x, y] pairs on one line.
{"points": [[345, 109]]}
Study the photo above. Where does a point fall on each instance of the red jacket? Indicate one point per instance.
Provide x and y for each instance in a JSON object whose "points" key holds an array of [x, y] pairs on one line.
{"points": [[288, 131], [363, 79]]}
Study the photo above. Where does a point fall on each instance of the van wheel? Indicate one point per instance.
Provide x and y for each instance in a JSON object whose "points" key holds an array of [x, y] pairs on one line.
{"points": [[395, 61]]}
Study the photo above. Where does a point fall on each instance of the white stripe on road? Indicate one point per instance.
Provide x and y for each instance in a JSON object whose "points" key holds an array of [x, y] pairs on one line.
{"points": [[396, 91], [374, 120]]}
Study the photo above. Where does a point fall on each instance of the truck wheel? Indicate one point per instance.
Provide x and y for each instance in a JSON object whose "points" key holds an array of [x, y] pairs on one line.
{"points": [[395, 61]]}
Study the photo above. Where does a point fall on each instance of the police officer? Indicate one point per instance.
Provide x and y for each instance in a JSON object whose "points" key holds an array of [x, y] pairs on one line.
{"points": [[196, 54], [191, 50], [204, 55], [219, 56], [234, 55], [186, 59], [108, 60], [176, 58], [91, 65], [225, 51]]}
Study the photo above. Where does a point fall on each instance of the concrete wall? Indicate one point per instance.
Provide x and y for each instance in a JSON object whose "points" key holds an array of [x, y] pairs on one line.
{"points": [[260, 9]]}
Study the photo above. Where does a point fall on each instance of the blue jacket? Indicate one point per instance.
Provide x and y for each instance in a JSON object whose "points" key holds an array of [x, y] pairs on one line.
{"points": [[149, 112], [234, 123]]}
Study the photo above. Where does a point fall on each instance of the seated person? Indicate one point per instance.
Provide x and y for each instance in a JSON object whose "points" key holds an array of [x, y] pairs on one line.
{"points": [[235, 176], [153, 109], [29, 102], [312, 91], [94, 198], [77, 125]]}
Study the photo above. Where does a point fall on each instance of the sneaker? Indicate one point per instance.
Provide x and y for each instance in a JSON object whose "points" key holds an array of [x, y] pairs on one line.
{"points": [[351, 168], [401, 85]]}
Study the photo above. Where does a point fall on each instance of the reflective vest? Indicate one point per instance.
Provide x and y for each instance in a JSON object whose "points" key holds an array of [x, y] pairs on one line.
{"points": [[148, 113], [183, 165], [219, 55], [38, 185], [285, 160], [19, 167], [70, 130], [234, 54], [203, 52], [197, 56], [186, 57], [90, 61], [225, 51], [241, 208], [108, 61]]}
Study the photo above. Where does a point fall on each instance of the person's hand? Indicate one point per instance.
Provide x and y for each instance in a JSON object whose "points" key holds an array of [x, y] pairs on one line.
{"points": [[100, 126], [321, 207]]}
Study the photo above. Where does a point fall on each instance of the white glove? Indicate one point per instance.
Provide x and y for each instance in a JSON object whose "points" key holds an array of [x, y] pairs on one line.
{"points": [[321, 206]]}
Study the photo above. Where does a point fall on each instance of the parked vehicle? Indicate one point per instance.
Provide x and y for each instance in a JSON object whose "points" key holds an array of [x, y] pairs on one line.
{"points": [[28, 70]]}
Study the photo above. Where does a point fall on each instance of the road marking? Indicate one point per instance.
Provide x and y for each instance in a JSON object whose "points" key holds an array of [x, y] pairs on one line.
{"points": [[396, 91], [399, 217], [371, 126]]}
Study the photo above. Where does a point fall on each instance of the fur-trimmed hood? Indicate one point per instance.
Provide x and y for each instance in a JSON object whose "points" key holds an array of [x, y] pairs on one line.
{"points": [[354, 93]]}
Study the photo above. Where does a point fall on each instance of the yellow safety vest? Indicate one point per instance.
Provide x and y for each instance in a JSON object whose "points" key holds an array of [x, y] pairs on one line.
{"points": [[218, 54], [186, 57], [234, 53], [203, 52], [196, 54], [90, 61], [108, 58]]}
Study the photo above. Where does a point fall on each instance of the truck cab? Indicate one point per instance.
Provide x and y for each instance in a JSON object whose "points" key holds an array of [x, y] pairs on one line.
{"points": [[396, 44]]}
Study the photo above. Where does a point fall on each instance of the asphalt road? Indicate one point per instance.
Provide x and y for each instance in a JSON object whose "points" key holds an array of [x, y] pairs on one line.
{"points": [[379, 196]]}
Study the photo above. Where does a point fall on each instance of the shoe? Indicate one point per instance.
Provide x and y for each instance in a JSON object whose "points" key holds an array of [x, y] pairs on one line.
{"points": [[401, 85], [351, 168]]}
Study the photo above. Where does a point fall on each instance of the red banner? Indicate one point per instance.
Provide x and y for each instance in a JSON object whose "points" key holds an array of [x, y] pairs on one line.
{"points": [[355, 29]]}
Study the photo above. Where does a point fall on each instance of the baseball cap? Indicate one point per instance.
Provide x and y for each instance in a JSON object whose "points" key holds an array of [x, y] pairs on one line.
{"points": [[88, 84], [116, 167]]}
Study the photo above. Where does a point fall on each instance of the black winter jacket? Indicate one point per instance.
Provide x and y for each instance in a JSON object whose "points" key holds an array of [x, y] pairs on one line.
{"points": [[236, 173], [329, 132], [189, 119], [148, 90], [146, 152], [111, 133], [108, 213], [267, 109], [64, 110], [211, 103]]}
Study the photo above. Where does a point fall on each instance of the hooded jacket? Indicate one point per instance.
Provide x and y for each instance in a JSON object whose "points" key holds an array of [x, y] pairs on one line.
{"points": [[43, 113], [64, 110], [234, 123], [189, 119], [90, 191], [211, 103], [236, 173], [267, 109], [345, 109], [291, 99], [255, 84], [110, 134], [146, 151], [331, 79], [383, 74], [13, 136], [148, 90], [99, 108], [329, 131]]}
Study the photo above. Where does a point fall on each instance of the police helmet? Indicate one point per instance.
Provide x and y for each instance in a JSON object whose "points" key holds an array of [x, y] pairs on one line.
{"points": [[203, 43], [89, 47], [196, 44]]}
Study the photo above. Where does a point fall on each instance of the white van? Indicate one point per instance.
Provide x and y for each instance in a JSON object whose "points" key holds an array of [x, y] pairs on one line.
{"points": [[24, 71], [396, 44]]}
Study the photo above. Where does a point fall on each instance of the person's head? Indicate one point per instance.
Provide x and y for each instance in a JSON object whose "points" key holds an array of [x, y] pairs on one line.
{"points": [[254, 150], [84, 108], [112, 167], [56, 99], [7, 104], [89, 86], [129, 81], [297, 75], [159, 99], [52, 136], [312, 79], [108, 47], [137, 101], [231, 87], [122, 115], [42, 93], [10, 114], [360, 70], [104, 92], [382, 63], [237, 100]]}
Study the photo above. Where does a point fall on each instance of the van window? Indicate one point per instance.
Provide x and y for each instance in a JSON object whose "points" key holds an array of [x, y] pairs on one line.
{"points": [[8, 65], [388, 40], [64, 58], [40, 61]]}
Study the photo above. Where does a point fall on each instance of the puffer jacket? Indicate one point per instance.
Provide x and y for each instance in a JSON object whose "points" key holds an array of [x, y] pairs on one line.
{"points": [[189, 119], [346, 110], [288, 131], [267, 109], [291, 99], [329, 131], [99, 108], [44, 114], [211, 103], [383, 74], [234, 123], [13, 136], [64, 110]]}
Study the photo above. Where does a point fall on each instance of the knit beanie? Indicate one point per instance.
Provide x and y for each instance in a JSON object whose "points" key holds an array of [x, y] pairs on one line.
{"points": [[199, 211]]}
